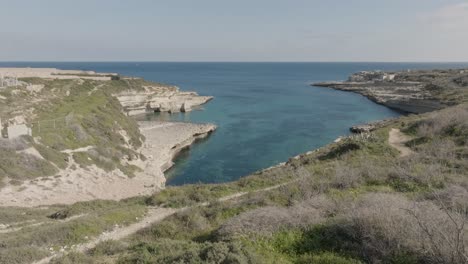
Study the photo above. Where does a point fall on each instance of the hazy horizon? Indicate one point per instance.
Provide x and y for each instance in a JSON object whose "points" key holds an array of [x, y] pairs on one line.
{"points": [[241, 31], [174, 61]]}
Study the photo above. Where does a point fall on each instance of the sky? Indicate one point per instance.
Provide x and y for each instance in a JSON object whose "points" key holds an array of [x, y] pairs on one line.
{"points": [[240, 30]]}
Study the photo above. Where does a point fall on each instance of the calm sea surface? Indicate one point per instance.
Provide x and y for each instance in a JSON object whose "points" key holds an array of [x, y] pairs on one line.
{"points": [[265, 112]]}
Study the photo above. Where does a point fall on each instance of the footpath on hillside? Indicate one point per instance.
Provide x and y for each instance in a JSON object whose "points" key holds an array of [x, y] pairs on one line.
{"points": [[397, 140], [154, 215]]}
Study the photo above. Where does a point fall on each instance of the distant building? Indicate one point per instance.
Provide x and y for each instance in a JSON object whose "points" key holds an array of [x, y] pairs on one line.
{"points": [[388, 77]]}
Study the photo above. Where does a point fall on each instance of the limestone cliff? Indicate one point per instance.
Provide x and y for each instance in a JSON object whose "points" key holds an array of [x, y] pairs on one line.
{"points": [[160, 99]]}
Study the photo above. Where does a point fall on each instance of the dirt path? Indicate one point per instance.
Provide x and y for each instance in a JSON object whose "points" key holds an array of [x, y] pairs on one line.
{"points": [[397, 140], [154, 215]]}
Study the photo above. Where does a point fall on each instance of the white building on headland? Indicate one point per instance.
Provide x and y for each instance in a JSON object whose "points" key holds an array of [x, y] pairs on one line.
{"points": [[388, 77], [371, 76]]}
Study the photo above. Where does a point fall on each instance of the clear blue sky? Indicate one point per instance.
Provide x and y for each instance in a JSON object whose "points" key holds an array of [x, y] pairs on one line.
{"points": [[240, 30]]}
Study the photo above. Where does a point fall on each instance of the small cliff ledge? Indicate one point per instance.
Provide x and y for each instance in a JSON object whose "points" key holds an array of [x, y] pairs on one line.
{"points": [[407, 91], [162, 98]]}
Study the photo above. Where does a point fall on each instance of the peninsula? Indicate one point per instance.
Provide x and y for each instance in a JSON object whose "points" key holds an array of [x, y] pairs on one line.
{"points": [[412, 91], [68, 137]]}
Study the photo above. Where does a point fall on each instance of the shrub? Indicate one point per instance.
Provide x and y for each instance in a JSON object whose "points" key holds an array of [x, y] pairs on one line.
{"points": [[16, 144], [388, 223], [170, 251], [73, 258], [326, 258], [453, 197], [108, 248], [338, 151], [22, 166], [21, 254], [448, 122], [345, 176], [268, 220]]}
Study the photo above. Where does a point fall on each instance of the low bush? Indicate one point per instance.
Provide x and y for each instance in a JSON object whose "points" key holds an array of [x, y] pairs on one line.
{"points": [[388, 224], [73, 258], [108, 248], [326, 258], [269, 220], [21, 254], [451, 122], [23, 166], [171, 251]]}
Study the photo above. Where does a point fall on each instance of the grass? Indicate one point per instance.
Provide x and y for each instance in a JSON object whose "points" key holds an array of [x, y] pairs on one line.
{"points": [[22, 166], [92, 218], [187, 195], [355, 201], [350, 184], [70, 114]]}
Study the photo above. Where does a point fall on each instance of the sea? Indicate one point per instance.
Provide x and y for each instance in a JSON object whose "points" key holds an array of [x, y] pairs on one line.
{"points": [[265, 112]]}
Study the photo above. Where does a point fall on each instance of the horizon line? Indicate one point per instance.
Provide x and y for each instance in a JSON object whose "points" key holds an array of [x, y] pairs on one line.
{"points": [[154, 61]]}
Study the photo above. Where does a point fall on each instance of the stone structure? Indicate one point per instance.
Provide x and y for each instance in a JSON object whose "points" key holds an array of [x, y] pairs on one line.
{"points": [[15, 131]]}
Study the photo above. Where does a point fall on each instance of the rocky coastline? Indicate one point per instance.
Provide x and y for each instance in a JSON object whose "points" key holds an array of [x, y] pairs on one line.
{"points": [[139, 152], [160, 99], [406, 91]]}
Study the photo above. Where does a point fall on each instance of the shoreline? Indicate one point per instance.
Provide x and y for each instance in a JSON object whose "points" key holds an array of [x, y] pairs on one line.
{"points": [[164, 140], [148, 129], [336, 86], [408, 91]]}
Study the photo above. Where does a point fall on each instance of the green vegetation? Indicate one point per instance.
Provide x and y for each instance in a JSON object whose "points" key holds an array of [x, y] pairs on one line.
{"points": [[89, 121], [18, 165], [187, 195], [67, 115], [355, 201], [56, 227]]}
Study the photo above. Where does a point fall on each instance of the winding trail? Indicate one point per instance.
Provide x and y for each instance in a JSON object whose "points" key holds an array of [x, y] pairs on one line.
{"points": [[153, 216], [397, 140]]}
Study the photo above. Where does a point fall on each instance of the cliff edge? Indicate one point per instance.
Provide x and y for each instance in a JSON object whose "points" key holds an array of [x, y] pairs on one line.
{"points": [[408, 91]]}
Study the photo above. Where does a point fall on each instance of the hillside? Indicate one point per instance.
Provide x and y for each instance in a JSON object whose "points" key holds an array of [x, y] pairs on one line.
{"points": [[71, 137], [397, 194]]}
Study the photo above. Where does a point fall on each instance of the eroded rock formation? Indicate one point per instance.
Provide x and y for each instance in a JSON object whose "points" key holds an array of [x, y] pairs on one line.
{"points": [[160, 99]]}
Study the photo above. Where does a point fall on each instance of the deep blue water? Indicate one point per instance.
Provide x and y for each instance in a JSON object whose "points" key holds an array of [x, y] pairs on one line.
{"points": [[265, 112]]}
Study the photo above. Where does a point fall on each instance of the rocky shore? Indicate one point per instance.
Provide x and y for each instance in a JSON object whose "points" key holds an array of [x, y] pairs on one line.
{"points": [[369, 127], [82, 143], [164, 140], [407, 91], [160, 99]]}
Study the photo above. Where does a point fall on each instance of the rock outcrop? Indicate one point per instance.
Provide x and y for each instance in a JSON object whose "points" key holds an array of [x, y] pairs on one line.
{"points": [[409, 91], [160, 99], [369, 127]]}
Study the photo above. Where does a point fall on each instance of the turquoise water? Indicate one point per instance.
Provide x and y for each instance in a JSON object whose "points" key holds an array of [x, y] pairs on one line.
{"points": [[265, 112]]}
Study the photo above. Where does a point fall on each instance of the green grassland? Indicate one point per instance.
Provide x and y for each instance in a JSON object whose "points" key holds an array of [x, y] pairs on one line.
{"points": [[355, 201]]}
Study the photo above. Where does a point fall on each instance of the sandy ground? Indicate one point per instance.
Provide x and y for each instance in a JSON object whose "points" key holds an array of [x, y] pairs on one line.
{"points": [[397, 140], [163, 141]]}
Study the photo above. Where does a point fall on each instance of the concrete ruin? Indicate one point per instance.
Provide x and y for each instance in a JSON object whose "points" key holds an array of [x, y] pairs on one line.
{"points": [[11, 131]]}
